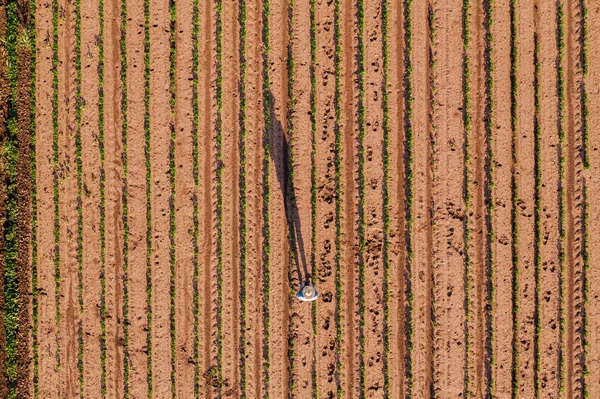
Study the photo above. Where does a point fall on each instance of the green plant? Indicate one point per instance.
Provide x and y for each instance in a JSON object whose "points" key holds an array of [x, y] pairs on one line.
{"points": [[338, 202], [196, 169], [266, 191], [147, 153]]}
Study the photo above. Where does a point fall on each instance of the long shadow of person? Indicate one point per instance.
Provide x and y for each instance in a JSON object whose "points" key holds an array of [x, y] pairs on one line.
{"points": [[280, 155]]}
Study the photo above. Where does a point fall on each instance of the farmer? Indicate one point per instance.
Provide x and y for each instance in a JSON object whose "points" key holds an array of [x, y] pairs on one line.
{"points": [[307, 293]]}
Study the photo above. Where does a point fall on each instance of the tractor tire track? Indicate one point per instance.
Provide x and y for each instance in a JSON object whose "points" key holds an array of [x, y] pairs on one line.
{"points": [[160, 121], [502, 317], [422, 356], [114, 208], [67, 205], [396, 151], [231, 189], [184, 202], [592, 311], [325, 341], [136, 158], [281, 322], [573, 281], [91, 169], [254, 123], [476, 358], [373, 301], [526, 203], [449, 206], [550, 235]]}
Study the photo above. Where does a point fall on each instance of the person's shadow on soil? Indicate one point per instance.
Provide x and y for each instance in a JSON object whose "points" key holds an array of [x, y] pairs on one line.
{"points": [[280, 156]]}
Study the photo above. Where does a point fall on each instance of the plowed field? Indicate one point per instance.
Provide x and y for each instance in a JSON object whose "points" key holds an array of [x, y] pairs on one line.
{"points": [[173, 171]]}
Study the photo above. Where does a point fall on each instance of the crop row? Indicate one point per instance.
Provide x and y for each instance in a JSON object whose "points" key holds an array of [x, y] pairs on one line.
{"points": [[11, 252], [561, 191], [515, 197], [338, 200], [313, 179], [266, 36], [290, 194], [360, 15], [56, 172], [34, 206], [147, 152], [172, 169], [408, 190], [78, 161], [219, 166], [466, 114], [242, 184], [386, 196], [538, 209], [196, 170], [489, 188], [102, 190], [124, 198]]}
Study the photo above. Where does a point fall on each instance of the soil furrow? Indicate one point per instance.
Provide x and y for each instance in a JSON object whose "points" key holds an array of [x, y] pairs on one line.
{"points": [[252, 124], [113, 145], [422, 283], [449, 205], [394, 201], [373, 306], [326, 191], [206, 195], [573, 186], [502, 322], [67, 204], [184, 202], [294, 170], [525, 203], [349, 220], [48, 374], [160, 127], [476, 358], [231, 190], [277, 283], [549, 341], [592, 182], [136, 189]]}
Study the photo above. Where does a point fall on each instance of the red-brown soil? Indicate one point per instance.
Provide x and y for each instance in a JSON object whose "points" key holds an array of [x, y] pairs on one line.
{"points": [[452, 234]]}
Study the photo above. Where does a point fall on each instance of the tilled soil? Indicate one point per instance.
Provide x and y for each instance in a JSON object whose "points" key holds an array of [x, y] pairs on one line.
{"points": [[430, 166]]}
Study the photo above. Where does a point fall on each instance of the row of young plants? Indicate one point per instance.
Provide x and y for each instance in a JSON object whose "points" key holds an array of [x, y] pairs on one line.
{"points": [[56, 172], [408, 190], [124, 198], [466, 114], [360, 17], [433, 164], [338, 199], [489, 191], [148, 164], [313, 180], [266, 256], [290, 193], [537, 209], [219, 167], [515, 198], [11, 253], [79, 166], [243, 193], [196, 173], [386, 195], [172, 170], [34, 206], [562, 197], [586, 163]]}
